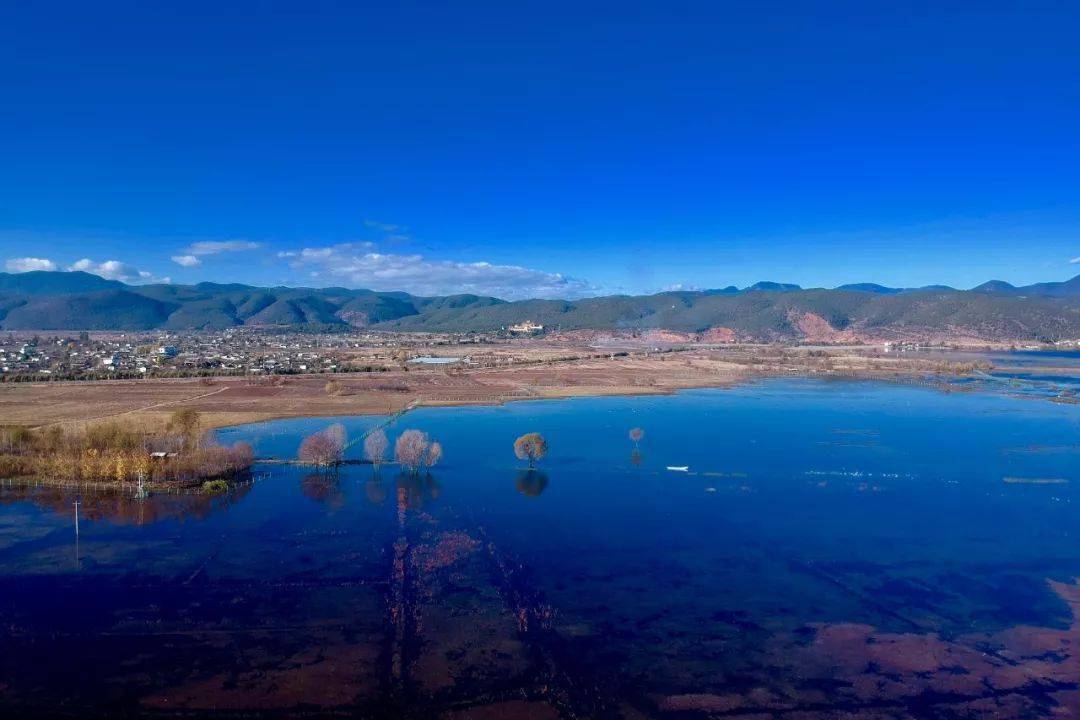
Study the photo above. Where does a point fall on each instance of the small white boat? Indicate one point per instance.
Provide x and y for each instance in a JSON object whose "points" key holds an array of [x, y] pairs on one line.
{"points": [[678, 468]]}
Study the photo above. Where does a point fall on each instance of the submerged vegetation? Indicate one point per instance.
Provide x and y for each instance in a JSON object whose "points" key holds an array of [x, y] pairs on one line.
{"points": [[117, 453]]}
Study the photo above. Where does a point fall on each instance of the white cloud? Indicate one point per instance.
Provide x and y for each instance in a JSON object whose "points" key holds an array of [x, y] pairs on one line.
{"points": [[214, 247], [186, 260], [1075, 261], [115, 270], [27, 264], [355, 264]]}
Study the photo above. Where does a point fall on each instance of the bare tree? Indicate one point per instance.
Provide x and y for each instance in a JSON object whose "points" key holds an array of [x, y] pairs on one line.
{"points": [[433, 454], [375, 446], [324, 448], [185, 423], [531, 447], [339, 436], [411, 448]]}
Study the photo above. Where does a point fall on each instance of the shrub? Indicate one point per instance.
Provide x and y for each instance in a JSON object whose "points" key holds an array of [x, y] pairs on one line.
{"points": [[215, 487]]}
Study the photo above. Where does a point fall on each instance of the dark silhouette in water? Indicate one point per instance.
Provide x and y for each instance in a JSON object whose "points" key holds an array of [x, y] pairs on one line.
{"points": [[531, 483]]}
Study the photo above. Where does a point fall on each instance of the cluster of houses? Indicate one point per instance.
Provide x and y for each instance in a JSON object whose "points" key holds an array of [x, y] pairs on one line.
{"points": [[230, 352]]}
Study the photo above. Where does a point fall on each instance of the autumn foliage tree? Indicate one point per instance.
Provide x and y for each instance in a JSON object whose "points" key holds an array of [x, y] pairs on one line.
{"points": [[636, 435], [532, 447], [185, 423]]}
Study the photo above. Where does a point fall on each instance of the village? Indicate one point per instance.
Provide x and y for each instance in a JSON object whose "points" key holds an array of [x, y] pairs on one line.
{"points": [[26, 357]]}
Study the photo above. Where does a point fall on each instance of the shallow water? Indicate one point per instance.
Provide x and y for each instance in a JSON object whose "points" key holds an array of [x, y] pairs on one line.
{"points": [[836, 547]]}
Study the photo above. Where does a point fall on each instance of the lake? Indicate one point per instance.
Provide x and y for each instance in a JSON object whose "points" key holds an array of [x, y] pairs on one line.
{"points": [[835, 548]]}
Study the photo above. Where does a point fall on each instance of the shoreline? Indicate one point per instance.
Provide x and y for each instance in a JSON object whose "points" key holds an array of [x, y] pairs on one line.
{"points": [[229, 401], [933, 381]]}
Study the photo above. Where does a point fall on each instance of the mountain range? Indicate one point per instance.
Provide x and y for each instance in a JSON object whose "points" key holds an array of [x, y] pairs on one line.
{"points": [[995, 310]]}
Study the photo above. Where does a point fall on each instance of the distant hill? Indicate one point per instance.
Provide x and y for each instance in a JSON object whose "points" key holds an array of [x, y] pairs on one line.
{"points": [[44, 282], [1069, 288], [764, 311], [871, 288]]}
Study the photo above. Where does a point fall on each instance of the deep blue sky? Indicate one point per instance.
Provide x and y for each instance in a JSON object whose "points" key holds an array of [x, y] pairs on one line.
{"points": [[624, 146]]}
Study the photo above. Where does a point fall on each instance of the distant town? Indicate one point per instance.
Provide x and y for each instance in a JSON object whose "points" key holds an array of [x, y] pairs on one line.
{"points": [[102, 356], [252, 352]]}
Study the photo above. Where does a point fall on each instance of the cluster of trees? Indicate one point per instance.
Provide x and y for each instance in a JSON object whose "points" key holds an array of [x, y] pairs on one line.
{"points": [[121, 452], [413, 450]]}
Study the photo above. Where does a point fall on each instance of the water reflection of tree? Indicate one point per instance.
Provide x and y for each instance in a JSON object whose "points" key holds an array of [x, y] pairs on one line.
{"points": [[532, 482], [323, 487], [375, 489], [123, 509], [636, 458], [415, 490]]}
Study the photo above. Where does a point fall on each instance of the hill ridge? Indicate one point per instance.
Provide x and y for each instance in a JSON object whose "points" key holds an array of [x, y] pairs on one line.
{"points": [[763, 311]]}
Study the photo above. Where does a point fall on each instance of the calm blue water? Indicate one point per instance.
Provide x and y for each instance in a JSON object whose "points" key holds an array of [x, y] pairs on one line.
{"points": [[834, 547]]}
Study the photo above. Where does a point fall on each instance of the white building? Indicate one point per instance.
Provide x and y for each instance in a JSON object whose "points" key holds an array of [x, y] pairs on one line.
{"points": [[526, 327]]}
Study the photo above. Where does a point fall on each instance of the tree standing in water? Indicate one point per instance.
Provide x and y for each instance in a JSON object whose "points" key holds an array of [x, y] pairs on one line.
{"points": [[531, 447], [325, 448], [375, 447], [636, 434], [433, 454], [411, 449]]}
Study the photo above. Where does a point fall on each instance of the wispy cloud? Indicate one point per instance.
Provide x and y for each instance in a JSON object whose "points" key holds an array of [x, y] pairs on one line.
{"points": [[1075, 261], [357, 265], [186, 260], [115, 270], [383, 226], [392, 232], [28, 264], [215, 247]]}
